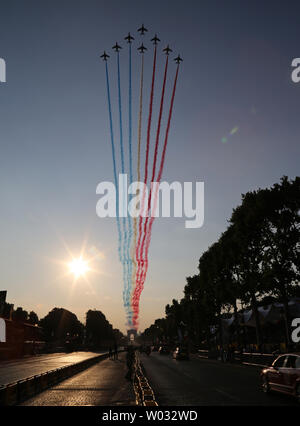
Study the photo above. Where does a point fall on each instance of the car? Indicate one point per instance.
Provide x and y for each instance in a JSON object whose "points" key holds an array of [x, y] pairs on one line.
{"points": [[181, 353], [283, 375], [155, 348], [164, 350]]}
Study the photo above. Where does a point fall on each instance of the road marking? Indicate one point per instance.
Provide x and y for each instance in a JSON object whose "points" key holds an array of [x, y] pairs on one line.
{"points": [[227, 394], [81, 388]]}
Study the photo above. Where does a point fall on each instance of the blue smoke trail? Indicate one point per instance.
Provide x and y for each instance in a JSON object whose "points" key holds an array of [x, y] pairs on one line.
{"points": [[114, 161], [120, 117], [125, 257], [130, 265], [130, 119]]}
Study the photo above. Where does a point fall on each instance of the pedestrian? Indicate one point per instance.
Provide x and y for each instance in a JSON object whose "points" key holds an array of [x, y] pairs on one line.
{"points": [[110, 352], [116, 351], [130, 361]]}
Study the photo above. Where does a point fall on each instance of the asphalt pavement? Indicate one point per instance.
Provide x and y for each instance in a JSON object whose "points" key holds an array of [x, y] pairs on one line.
{"points": [[12, 371], [102, 384], [206, 382]]}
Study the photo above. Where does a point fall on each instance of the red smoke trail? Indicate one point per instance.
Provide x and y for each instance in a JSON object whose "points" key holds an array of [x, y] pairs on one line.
{"points": [[139, 261], [143, 277], [154, 167], [143, 262]]}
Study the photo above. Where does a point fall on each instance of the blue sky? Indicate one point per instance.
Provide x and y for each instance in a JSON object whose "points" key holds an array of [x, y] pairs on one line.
{"points": [[55, 145]]}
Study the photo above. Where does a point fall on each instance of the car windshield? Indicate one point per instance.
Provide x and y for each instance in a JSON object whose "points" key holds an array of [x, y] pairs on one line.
{"points": [[291, 361], [279, 362]]}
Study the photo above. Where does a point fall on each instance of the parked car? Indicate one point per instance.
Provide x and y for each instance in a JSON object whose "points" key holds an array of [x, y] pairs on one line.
{"points": [[164, 350], [181, 353], [283, 375]]}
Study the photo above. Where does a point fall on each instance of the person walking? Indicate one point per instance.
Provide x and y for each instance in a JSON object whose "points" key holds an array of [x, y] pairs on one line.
{"points": [[130, 361], [116, 352], [110, 352]]}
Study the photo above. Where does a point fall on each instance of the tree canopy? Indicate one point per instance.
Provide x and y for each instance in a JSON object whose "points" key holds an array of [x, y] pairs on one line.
{"points": [[257, 257]]}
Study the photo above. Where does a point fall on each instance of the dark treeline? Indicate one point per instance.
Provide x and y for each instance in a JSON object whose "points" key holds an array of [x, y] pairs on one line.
{"points": [[255, 261], [61, 328], [19, 314]]}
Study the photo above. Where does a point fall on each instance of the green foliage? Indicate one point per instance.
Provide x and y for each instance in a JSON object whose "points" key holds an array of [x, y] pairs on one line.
{"points": [[20, 315], [33, 318], [99, 331], [60, 323], [256, 258]]}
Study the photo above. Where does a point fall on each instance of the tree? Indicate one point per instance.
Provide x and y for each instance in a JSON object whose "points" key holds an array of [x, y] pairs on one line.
{"points": [[99, 331], [59, 324], [248, 221], [33, 318], [256, 259], [281, 235], [20, 315]]}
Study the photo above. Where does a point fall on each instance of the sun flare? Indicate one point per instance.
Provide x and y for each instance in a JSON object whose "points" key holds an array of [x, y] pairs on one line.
{"points": [[78, 267]]}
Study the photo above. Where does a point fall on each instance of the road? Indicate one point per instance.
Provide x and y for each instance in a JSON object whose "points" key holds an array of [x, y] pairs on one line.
{"points": [[12, 371], [206, 382], [102, 384]]}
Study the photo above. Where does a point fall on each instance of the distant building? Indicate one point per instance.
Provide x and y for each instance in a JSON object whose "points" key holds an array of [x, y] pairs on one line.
{"points": [[131, 335], [17, 338]]}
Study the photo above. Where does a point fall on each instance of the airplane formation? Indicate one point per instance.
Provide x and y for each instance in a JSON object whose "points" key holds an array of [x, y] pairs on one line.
{"points": [[129, 38]]}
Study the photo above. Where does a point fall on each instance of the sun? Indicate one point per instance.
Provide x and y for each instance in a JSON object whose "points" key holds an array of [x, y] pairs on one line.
{"points": [[78, 267]]}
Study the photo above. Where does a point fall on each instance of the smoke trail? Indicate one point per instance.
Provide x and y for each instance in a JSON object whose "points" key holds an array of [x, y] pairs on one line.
{"points": [[140, 288], [130, 118], [114, 161], [139, 260], [129, 272], [144, 263], [124, 259], [161, 164], [154, 161], [138, 161], [140, 121], [120, 115]]}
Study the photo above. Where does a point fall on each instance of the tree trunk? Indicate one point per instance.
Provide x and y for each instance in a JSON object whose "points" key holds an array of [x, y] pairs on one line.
{"points": [[286, 316], [221, 330], [236, 324], [208, 338], [257, 322]]}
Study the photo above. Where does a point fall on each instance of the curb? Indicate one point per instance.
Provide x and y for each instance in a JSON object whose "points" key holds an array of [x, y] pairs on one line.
{"points": [[19, 391]]}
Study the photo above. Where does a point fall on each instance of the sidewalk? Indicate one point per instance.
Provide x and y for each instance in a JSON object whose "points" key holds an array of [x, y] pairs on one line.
{"points": [[102, 384]]}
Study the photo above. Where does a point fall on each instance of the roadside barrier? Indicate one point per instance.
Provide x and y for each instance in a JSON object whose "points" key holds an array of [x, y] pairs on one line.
{"points": [[11, 394], [21, 390], [52, 377], [246, 358], [25, 388], [2, 395]]}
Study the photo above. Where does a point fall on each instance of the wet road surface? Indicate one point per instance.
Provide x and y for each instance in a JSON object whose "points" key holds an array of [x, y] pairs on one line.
{"points": [[206, 382], [102, 384], [12, 371]]}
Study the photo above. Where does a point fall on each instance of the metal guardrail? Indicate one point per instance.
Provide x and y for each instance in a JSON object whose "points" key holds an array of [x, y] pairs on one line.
{"points": [[19, 391], [246, 358]]}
